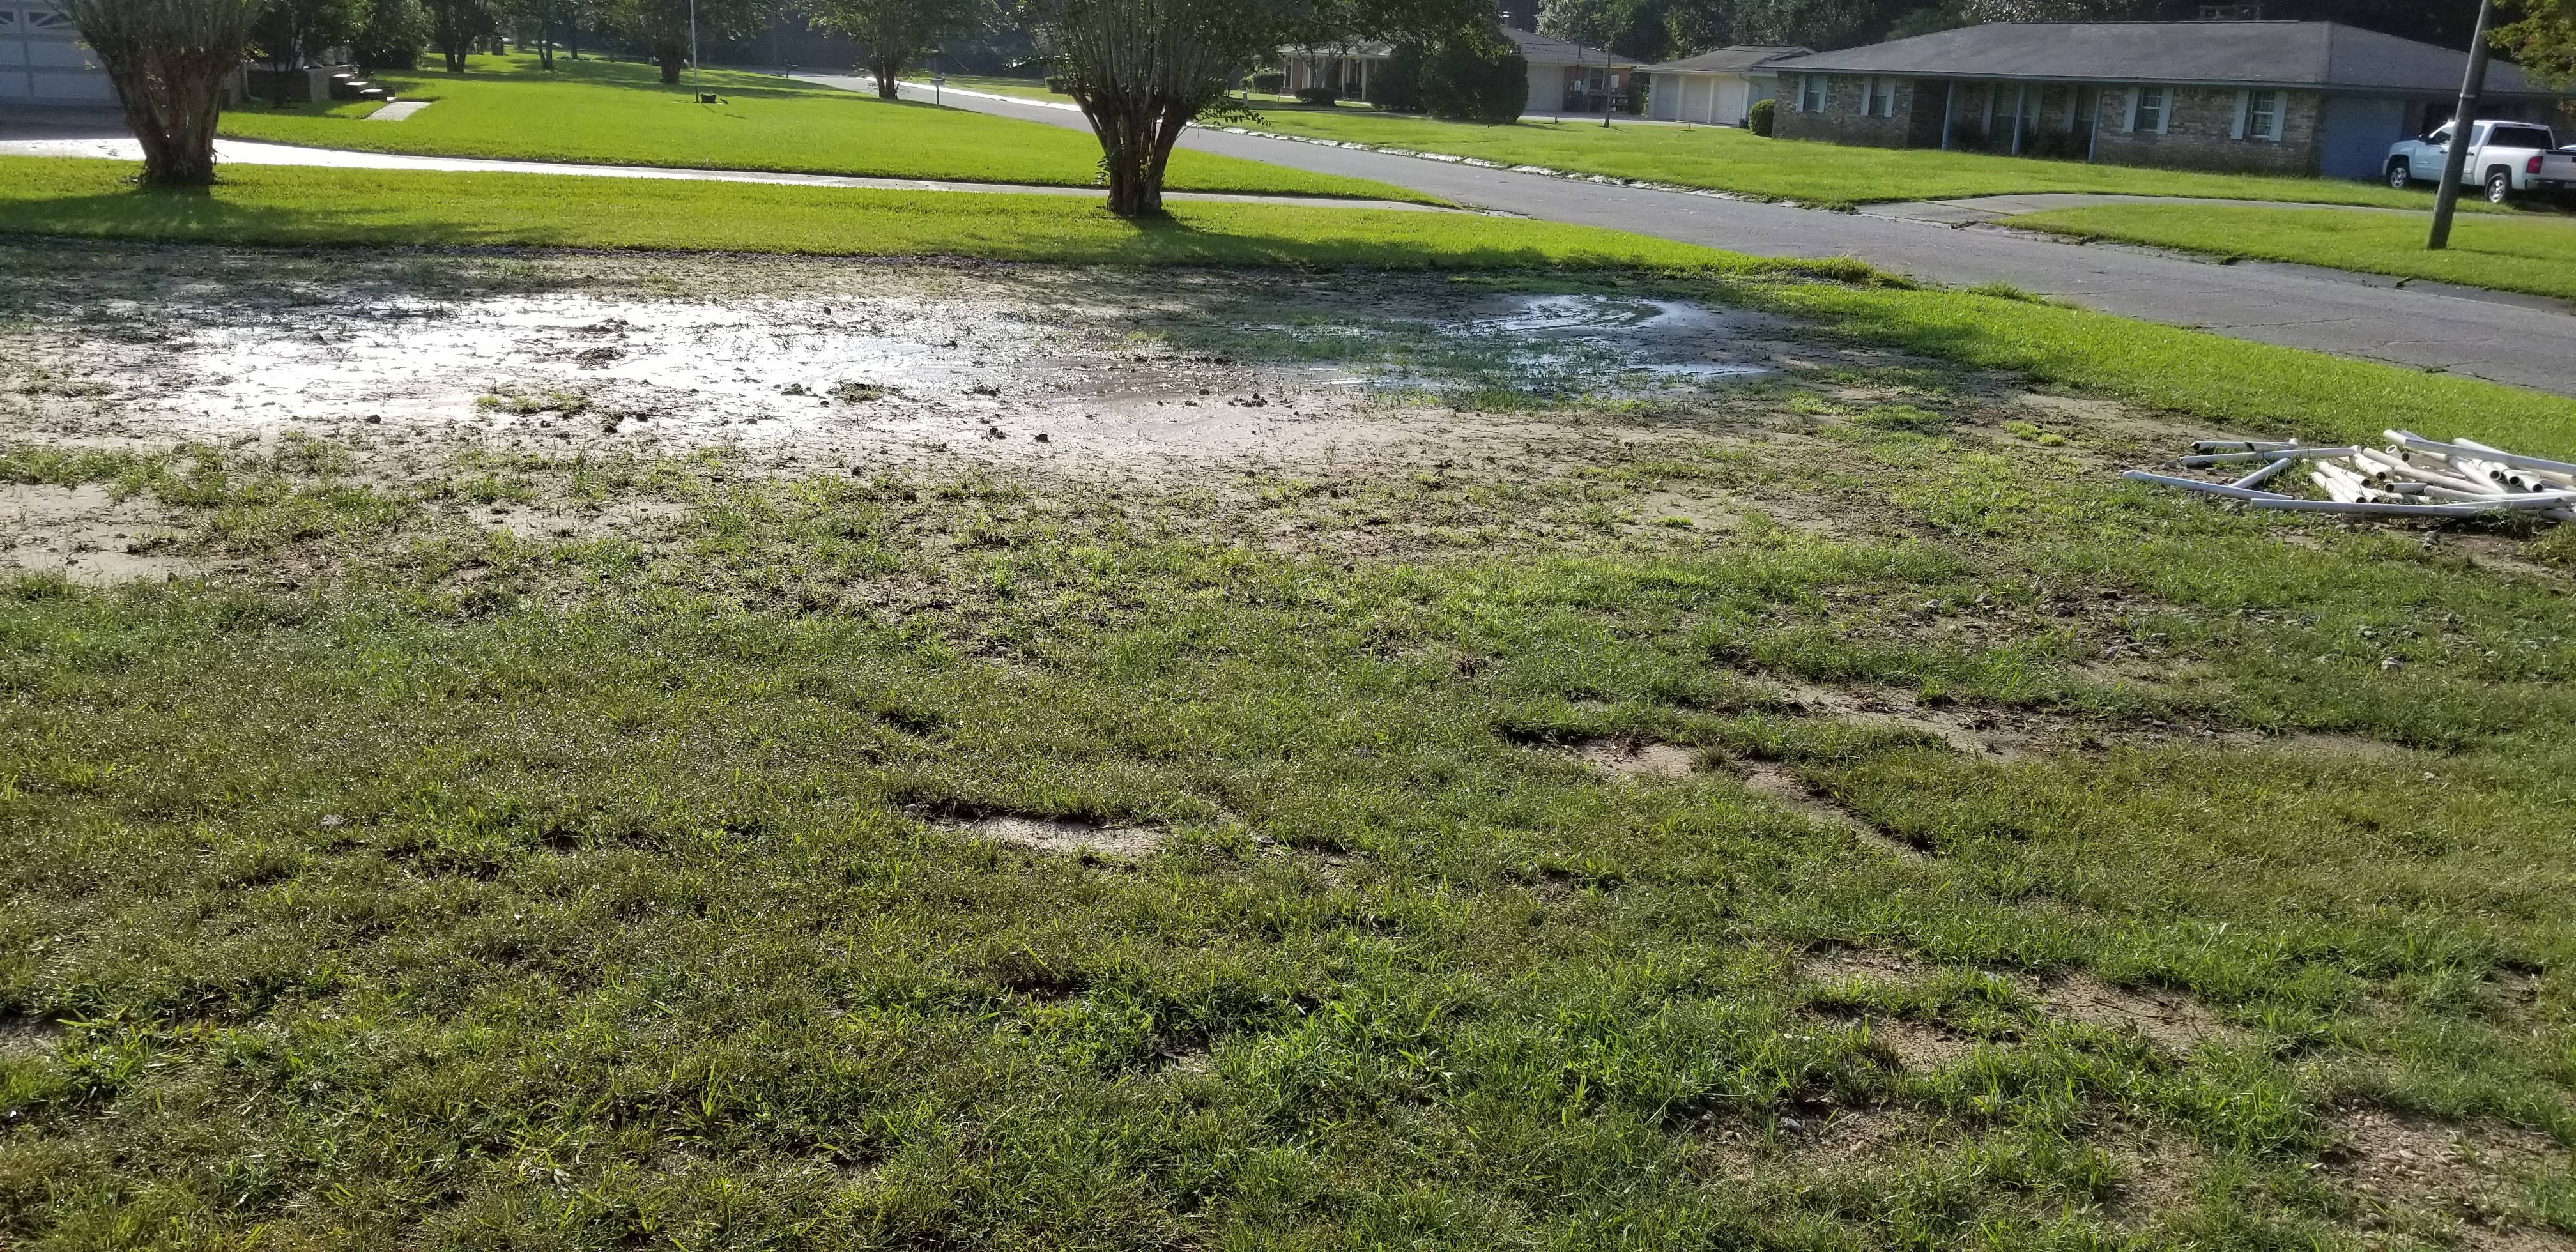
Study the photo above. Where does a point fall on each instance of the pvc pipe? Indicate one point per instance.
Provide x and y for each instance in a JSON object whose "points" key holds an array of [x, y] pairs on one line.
{"points": [[2241, 445], [2228, 490], [2363, 506], [2265, 474], [2225, 458], [2410, 440]]}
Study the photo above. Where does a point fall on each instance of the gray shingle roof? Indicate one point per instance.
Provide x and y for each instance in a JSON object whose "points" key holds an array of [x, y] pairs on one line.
{"points": [[2271, 54], [1733, 60], [1542, 50]]}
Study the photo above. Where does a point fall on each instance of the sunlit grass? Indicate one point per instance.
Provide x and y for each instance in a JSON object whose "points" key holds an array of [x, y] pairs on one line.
{"points": [[2534, 253], [619, 113]]}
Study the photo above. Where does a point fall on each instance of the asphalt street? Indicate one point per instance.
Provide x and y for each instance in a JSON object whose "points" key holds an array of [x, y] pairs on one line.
{"points": [[2509, 339]]}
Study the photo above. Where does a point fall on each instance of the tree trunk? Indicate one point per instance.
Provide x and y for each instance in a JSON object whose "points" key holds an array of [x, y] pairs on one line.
{"points": [[174, 121], [1136, 139], [889, 72], [671, 57]]}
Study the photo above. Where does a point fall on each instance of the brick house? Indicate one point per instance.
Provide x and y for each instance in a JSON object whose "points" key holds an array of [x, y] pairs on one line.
{"points": [[2274, 97]]}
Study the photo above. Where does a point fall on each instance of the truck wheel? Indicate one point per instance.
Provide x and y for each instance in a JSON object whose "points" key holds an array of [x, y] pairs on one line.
{"points": [[2499, 186], [2399, 175]]}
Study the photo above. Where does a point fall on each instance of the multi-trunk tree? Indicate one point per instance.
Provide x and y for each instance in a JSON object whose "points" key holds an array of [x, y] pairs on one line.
{"points": [[168, 60], [894, 35], [1143, 70]]}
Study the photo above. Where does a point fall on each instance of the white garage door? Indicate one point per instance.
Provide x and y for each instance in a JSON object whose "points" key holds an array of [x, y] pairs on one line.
{"points": [[42, 60]]}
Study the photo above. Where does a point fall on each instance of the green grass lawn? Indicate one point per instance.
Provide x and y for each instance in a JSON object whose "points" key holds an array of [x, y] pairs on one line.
{"points": [[1729, 159], [291, 205], [1000, 85], [518, 887], [2508, 252], [619, 113]]}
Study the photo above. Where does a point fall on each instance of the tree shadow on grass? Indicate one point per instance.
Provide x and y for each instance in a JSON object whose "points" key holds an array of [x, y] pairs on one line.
{"points": [[629, 75], [209, 217]]}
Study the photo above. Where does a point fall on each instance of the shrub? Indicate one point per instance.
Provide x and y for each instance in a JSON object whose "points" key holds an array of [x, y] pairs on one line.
{"points": [[1482, 82], [1269, 84], [1317, 95], [1759, 119]]}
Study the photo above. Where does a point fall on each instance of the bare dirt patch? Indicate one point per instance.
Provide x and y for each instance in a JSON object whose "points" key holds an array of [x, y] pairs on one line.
{"points": [[1918, 1046], [84, 533], [1783, 787], [2168, 1018], [1972, 731], [2157, 1175], [1062, 837], [22, 1038], [1638, 761], [2405, 1169], [1837, 964]]}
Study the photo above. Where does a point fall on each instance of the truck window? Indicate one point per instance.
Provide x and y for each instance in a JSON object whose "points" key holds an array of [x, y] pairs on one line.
{"points": [[2521, 137]]}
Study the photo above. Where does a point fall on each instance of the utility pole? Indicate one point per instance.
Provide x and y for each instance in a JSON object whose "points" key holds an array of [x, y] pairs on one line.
{"points": [[697, 72], [2455, 159]]}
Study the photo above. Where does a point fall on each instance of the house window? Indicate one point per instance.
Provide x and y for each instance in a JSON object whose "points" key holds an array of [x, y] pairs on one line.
{"points": [[1882, 97], [2258, 115], [2148, 107], [1811, 93]]}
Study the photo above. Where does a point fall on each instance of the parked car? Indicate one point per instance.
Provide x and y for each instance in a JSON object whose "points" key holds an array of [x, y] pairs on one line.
{"points": [[2505, 158]]}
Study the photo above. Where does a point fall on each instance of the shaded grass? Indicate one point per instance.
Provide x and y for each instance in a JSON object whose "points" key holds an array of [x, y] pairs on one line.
{"points": [[1729, 159], [619, 113], [2517, 252]]}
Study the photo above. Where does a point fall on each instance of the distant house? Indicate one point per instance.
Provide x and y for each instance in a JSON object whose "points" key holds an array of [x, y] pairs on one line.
{"points": [[2280, 97], [1563, 77], [1345, 69], [1568, 77], [1717, 88], [42, 61]]}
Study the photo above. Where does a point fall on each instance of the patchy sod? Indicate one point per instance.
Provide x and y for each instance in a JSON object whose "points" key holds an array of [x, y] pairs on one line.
{"points": [[2531, 253], [620, 113], [666, 833]]}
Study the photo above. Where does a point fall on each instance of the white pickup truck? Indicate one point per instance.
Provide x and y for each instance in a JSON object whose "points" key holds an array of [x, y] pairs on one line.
{"points": [[2505, 158]]}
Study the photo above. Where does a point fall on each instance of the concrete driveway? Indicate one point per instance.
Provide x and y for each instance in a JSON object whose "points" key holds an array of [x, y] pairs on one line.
{"points": [[2521, 340]]}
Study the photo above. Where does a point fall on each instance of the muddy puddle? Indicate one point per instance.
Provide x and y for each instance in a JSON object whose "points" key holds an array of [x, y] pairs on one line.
{"points": [[907, 362]]}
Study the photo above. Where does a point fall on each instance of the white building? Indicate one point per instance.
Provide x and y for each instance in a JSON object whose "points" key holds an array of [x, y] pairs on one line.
{"points": [[1717, 88], [42, 61], [1568, 77]]}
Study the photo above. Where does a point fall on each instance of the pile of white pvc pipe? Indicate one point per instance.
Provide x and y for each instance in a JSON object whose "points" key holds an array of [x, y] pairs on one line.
{"points": [[2412, 477]]}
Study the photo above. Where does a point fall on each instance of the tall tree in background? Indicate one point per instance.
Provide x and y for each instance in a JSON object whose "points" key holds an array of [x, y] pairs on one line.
{"points": [[895, 34], [390, 35], [458, 27], [665, 25], [291, 33], [1142, 70], [168, 60]]}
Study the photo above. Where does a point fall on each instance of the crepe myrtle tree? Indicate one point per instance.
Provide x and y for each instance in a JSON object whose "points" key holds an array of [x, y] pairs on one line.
{"points": [[168, 60], [896, 34], [1142, 70]]}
